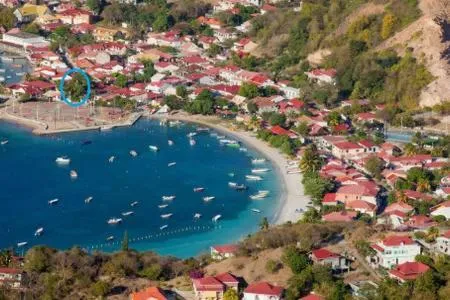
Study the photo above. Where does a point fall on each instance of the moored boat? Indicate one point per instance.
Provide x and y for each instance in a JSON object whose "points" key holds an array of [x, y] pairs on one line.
{"points": [[171, 164], [4, 142], [191, 134], [253, 177], [262, 170], [197, 216], [163, 227], [53, 201], [256, 161], [110, 238], [163, 205], [114, 221], [134, 203], [127, 213], [170, 142], [166, 216], [62, 160], [168, 198], [111, 159], [216, 218], [208, 198], [192, 142], [133, 153], [153, 148], [256, 210], [198, 189], [73, 174], [21, 244], [88, 199], [39, 231]]}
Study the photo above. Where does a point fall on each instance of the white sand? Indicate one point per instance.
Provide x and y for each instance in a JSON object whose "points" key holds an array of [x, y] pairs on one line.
{"points": [[293, 196]]}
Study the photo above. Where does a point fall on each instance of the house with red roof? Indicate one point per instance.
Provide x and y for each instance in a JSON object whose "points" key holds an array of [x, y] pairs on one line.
{"points": [[329, 199], [213, 287], [354, 192], [442, 244], [346, 149], [420, 222], [322, 76], [74, 16], [340, 216], [150, 293], [326, 257], [278, 130], [312, 296], [11, 277], [418, 196], [408, 271], [442, 209], [399, 206], [263, 291], [394, 250], [363, 207], [219, 252], [366, 117]]}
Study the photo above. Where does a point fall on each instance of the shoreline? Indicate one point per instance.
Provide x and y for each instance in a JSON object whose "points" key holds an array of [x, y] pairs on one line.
{"points": [[292, 192]]}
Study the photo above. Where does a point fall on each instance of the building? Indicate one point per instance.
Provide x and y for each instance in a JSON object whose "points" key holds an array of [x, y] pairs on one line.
{"points": [[29, 12], [346, 150], [213, 287], [442, 209], [263, 291], [325, 257], [23, 39], [75, 16], [220, 252], [355, 192], [394, 250], [322, 76], [151, 293], [408, 271], [340, 216], [442, 244], [11, 277]]}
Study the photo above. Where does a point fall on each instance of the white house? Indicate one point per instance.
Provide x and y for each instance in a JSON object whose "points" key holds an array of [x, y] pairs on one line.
{"points": [[325, 257], [220, 252], [11, 277], [394, 250], [442, 244], [290, 92], [24, 39], [442, 209], [263, 291]]}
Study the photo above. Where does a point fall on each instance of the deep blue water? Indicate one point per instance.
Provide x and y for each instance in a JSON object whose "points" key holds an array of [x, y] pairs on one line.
{"points": [[29, 178]]}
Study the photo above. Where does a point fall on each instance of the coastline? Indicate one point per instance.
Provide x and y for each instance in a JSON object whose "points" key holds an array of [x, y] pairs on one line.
{"points": [[292, 197]]}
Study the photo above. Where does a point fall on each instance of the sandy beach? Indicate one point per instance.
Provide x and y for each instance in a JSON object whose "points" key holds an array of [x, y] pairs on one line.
{"points": [[293, 196]]}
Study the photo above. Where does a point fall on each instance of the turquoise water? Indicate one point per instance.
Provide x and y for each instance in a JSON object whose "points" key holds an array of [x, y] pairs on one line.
{"points": [[30, 178], [13, 71]]}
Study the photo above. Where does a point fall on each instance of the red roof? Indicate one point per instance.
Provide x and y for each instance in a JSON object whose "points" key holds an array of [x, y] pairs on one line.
{"points": [[415, 195], [340, 216], [346, 145], [227, 278], [153, 293], [397, 240], [208, 283], [264, 288], [312, 297], [278, 130], [401, 206], [360, 204], [321, 254], [329, 198], [324, 72], [226, 248], [446, 234], [409, 270], [355, 189], [10, 271]]}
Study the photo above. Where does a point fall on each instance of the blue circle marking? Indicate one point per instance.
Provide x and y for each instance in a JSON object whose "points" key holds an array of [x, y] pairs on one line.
{"points": [[88, 91]]}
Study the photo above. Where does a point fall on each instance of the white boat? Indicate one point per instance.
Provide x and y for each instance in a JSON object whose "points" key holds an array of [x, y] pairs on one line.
{"points": [[8, 77], [39, 231], [53, 201], [166, 216], [163, 205], [231, 174], [243, 149], [111, 159], [2, 79], [256, 210], [163, 227], [110, 238], [134, 203], [4, 142], [265, 192], [232, 184], [114, 221], [168, 198], [258, 161], [294, 172], [216, 218], [20, 73], [133, 153], [73, 174], [220, 137], [170, 142], [262, 170], [191, 134], [2, 70], [241, 187], [197, 216], [202, 129], [259, 195], [213, 134], [88, 199], [174, 123], [192, 142], [253, 177], [127, 213], [153, 148], [62, 160], [209, 198], [21, 244], [199, 189], [171, 164]]}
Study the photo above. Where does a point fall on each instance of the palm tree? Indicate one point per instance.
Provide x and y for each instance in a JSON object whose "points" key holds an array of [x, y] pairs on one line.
{"points": [[410, 150], [401, 197], [423, 185], [310, 161]]}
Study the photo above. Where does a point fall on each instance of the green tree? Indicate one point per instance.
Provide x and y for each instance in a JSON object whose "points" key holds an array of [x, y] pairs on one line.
{"points": [[249, 90], [161, 23], [302, 128], [294, 259], [37, 259], [100, 288], [277, 119], [252, 107], [310, 161], [125, 241], [316, 186], [32, 28], [213, 50], [7, 17], [374, 166], [311, 215], [264, 224], [387, 27], [152, 272], [95, 5], [121, 80], [230, 294], [181, 91]]}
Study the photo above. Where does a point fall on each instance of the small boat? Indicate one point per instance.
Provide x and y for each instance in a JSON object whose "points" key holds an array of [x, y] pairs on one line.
{"points": [[209, 198], [231, 174], [133, 153], [111, 159], [243, 149], [2, 79], [197, 216], [21, 244], [39, 231], [265, 192], [73, 174], [127, 213], [191, 134], [253, 177], [4, 142], [88, 199], [174, 123], [171, 164], [110, 238], [170, 142], [62, 160], [256, 161], [263, 170], [166, 216], [85, 143], [259, 195], [163, 205], [220, 137], [256, 210], [216, 218], [114, 221], [202, 129], [163, 227], [2, 70], [134, 203], [8, 77], [241, 187], [20, 73], [153, 148], [233, 145], [168, 198], [199, 189], [232, 184], [192, 142], [53, 201]]}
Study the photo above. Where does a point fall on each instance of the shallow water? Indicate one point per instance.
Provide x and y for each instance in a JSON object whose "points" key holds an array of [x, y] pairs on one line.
{"points": [[30, 178]]}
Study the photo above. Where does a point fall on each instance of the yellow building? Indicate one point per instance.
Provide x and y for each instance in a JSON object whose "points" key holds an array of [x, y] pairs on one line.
{"points": [[105, 34], [29, 12]]}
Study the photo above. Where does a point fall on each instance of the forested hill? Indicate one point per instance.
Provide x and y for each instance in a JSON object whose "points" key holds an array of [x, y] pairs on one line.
{"points": [[389, 51]]}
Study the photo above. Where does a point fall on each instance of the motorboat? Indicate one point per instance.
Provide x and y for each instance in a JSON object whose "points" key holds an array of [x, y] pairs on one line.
{"points": [[191, 134], [163, 227], [241, 187], [199, 189], [127, 213], [166, 216], [73, 174], [174, 123], [134, 203], [192, 142], [232, 184], [62, 160], [88, 199], [256, 161], [4, 142], [256, 210], [163, 205], [202, 129], [243, 149], [168, 198], [53, 201], [197, 216], [253, 177], [111, 159], [231, 174], [153, 148], [39, 231], [110, 238], [262, 170], [114, 221], [171, 164], [259, 195], [21, 244], [133, 153], [216, 218], [170, 142], [209, 198]]}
